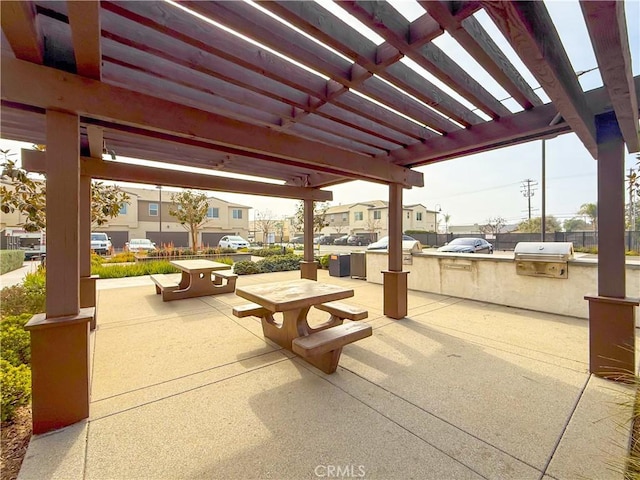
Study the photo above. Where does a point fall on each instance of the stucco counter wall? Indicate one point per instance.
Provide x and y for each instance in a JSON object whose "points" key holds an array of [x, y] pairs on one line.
{"points": [[493, 279]]}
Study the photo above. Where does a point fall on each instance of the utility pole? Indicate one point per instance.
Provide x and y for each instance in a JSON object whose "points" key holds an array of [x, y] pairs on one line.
{"points": [[528, 190]]}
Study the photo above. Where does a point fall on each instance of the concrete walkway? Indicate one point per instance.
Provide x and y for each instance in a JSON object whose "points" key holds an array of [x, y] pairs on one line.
{"points": [[458, 389], [15, 277]]}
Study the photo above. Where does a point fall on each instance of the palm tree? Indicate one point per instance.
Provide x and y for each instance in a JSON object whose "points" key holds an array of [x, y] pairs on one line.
{"points": [[447, 217], [590, 210]]}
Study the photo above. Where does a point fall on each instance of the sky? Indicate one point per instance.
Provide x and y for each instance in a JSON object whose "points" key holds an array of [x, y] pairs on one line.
{"points": [[477, 188]]}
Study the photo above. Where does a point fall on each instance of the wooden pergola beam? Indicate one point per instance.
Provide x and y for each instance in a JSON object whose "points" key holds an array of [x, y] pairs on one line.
{"points": [[608, 31], [35, 161], [529, 29], [479, 44], [20, 26], [44, 87], [96, 141], [84, 20]]}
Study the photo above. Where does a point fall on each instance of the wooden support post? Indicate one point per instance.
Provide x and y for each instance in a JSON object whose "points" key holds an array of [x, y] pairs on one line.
{"points": [[308, 267], [88, 294], [60, 338], [395, 280], [611, 314]]}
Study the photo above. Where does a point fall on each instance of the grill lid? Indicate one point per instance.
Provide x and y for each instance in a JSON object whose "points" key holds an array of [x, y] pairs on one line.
{"points": [[544, 251]]}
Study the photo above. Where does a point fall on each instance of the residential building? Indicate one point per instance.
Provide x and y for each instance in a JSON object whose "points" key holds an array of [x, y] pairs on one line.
{"points": [[371, 218], [147, 216]]}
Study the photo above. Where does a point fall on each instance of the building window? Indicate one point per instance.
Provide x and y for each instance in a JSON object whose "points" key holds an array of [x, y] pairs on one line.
{"points": [[153, 209], [377, 214], [123, 209], [236, 213], [333, 218], [213, 212], [408, 215], [357, 216], [345, 217], [419, 216]]}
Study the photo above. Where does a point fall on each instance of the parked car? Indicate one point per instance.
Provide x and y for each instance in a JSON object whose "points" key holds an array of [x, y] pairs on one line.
{"points": [[357, 240], [297, 240], [467, 245], [324, 240], [136, 245], [100, 243], [341, 240], [383, 243], [233, 241]]}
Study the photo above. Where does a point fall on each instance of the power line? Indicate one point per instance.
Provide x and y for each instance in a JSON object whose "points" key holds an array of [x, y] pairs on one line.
{"points": [[528, 190]]}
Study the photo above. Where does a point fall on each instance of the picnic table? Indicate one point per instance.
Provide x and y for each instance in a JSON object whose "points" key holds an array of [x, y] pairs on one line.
{"points": [[321, 345], [199, 278]]}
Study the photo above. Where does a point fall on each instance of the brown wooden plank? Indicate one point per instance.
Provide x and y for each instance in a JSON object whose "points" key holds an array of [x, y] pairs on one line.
{"points": [[84, 20], [35, 161], [608, 31], [530, 30], [20, 27], [158, 25], [390, 25], [254, 24], [30, 84], [477, 42], [519, 128], [96, 141]]}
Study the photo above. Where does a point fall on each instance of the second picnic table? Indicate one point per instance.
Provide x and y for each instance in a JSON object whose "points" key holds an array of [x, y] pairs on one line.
{"points": [[199, 278]]}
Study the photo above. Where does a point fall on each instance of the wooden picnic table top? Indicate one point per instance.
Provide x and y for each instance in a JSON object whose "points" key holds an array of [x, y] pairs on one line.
{"points": [[199, 265], [291, 295]]}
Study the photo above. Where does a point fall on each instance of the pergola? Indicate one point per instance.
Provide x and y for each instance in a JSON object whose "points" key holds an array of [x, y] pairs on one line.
{"points": [[310, 102]]}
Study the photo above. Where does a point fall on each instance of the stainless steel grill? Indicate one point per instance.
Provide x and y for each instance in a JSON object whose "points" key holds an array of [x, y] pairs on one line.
{"points": [[543, 259]]}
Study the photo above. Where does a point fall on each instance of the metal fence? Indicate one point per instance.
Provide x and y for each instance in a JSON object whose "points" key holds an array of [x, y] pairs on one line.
{"points": [[508, 241]]}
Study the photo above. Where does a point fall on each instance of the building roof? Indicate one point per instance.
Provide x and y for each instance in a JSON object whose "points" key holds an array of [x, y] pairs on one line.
{"points": [[154, 196]]}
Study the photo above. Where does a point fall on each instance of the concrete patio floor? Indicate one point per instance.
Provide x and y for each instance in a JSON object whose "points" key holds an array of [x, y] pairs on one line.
{"points": [[458, 389]]}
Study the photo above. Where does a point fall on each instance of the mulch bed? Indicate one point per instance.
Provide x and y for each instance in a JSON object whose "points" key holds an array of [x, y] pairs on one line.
{"points": [[15, 440]]}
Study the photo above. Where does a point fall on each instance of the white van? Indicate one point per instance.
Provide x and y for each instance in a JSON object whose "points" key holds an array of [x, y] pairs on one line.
{"points": [[100, 243]]}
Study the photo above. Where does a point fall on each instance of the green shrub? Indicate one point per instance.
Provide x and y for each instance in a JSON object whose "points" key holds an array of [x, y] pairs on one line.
{"points": [[10, 260], [15, 388], [133, 270], [324, 261], [27, 297], [246, 267], [226, 260], [269, 252], [123, 257], [15, 341]]}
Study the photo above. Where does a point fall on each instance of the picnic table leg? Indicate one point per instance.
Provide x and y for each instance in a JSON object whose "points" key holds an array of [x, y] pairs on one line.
{"points": [[185, 281], [294, 325]]}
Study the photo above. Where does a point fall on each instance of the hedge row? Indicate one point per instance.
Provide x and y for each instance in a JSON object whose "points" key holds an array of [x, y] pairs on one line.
{"points": [[10, 260], [270, 252], [274, 263]]}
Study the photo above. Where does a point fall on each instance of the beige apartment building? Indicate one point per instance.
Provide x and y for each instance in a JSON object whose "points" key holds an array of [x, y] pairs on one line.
{"points": [[147, 216], [371, 219]]}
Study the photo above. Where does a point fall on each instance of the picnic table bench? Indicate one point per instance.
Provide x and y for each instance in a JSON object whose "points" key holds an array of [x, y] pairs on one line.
{"points": [[199, 278], [320, 345]]}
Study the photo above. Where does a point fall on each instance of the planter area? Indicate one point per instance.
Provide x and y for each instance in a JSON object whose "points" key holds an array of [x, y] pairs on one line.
{"points": [[237, 257]]}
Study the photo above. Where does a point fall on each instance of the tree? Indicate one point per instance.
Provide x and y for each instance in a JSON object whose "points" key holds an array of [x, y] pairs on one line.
{"points": [[533, 225], [575, 225], [28, 197], [493, 225], [190, 208], [633, 185], [372, 225], [446, 217], [265, 223], [319, 215], [590, 210]]}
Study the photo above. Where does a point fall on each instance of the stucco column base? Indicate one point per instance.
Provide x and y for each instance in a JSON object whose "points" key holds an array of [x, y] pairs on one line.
{"points": [[612, 337], [395, 294], [59, 369], [309, 270], [88, 297]]}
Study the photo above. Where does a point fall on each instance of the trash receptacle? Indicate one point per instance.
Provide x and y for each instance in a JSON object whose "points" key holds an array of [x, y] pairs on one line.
{"points": [[358, 265], [339, 265]]}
